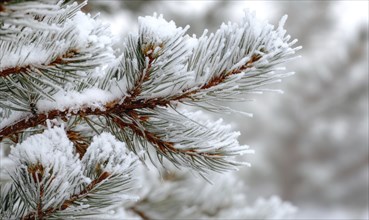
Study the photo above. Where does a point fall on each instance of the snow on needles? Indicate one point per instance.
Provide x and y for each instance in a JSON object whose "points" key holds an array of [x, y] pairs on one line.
{"points": [[93, 98], [159, 30], [163, 63], [52, 163], [51, 43], [110, 153], [53, 149], [55, 166]]}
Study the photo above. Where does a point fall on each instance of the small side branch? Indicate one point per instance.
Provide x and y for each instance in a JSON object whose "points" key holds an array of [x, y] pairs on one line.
{"points": [[67, 203], [89, 187], [23, 69], [164, 147]]}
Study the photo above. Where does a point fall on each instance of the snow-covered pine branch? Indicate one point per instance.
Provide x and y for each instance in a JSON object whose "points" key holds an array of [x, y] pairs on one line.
{"points": [[46, 49], [58, 66], [51, 181], [160, 66]]}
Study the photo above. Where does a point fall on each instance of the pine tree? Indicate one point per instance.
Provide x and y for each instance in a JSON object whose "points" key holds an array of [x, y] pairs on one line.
{"points": [[85, 120]]}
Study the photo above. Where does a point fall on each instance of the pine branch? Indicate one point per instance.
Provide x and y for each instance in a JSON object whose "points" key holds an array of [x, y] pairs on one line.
{"points": [[78, 82], [128, 110], [63, 59], [83, 193], [109, 166], [39, 176], [132, 104], [157, 70], [69, 202], [115, 107], [218, 79], [164, 147], [37, 173], [44, 55], [93, 183]]}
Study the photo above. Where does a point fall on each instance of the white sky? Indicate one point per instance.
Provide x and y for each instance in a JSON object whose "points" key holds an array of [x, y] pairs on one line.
{"points": [[349, 14], [352, 13]]}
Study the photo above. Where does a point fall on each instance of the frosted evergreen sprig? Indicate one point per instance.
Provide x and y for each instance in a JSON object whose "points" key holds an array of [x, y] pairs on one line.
{"points": [[186, 139], [159, 68], [46, 49], [51, 181], [109, 166], [106, 106], [48, 170]]}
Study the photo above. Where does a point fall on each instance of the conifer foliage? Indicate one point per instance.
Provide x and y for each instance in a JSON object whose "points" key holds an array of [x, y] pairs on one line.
{"points": [[81, 115]]}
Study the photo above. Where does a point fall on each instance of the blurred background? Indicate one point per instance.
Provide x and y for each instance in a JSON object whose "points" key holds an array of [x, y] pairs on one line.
{"points": [[311, 142]]}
